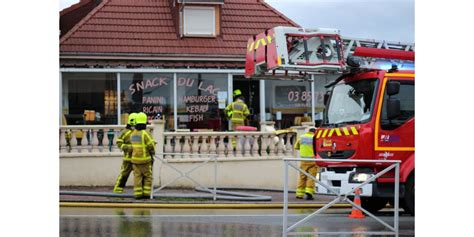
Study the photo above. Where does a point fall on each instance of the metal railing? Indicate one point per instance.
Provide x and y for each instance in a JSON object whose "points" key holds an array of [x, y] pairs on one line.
{"points": [[185, 174], [223, 195], [393, 164]]}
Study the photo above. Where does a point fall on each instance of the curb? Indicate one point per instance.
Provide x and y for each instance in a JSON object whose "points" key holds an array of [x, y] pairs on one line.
{"points": [[198, 206]]}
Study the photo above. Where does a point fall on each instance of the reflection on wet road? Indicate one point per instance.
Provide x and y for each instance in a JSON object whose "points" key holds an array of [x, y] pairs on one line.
{"points": [[241, 223]]}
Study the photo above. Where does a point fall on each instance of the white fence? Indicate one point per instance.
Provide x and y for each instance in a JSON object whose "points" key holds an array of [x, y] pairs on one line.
{"points": [[247, 144], [97, 140], [89, 139]]}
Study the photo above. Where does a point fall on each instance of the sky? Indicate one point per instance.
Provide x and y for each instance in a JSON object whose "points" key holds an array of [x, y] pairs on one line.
{"points": [[66, 3], [390, 20]]}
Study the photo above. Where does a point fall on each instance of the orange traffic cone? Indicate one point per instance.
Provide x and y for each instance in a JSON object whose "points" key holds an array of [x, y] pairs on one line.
{"points": [[356, 213]]}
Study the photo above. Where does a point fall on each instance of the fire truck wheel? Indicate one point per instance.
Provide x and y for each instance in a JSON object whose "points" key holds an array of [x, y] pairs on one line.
{"points": [[409, 199], [373, 204]]}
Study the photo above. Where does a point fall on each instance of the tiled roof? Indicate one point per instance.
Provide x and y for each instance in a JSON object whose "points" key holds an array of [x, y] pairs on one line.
{"points": [[72, 15], [146, 27], [76, 6]]}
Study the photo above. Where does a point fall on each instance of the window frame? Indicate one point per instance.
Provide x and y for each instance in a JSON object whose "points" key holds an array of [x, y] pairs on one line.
{"points": [[372, 104], [197, 34], [396, 123], [88, 100]]}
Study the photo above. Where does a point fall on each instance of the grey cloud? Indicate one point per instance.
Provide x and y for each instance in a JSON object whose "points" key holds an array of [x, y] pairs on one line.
{"points": [[391, 20]]}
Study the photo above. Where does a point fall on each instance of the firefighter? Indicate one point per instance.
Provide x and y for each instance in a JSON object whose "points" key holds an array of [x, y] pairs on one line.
{"points": [[143, 149], [68, 140], [79, 135], [126, 167], [237, 111], [306, 184]]}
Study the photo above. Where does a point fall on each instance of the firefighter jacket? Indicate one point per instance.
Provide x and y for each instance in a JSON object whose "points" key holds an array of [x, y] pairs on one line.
{"points": [[143, 146], [123, 139], [237, 111], [79, 134], [305, 145]]}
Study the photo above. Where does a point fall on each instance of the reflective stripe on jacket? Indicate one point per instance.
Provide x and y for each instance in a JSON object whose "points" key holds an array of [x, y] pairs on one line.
{"points": [[237, 110], [305, 145], [143, 146], [122, 140]]}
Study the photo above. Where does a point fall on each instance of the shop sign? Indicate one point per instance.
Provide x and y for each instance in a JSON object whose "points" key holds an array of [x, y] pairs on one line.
{"points": [[148, 84], [153, 103], [197, 105], [190, 82], [292, 97]]}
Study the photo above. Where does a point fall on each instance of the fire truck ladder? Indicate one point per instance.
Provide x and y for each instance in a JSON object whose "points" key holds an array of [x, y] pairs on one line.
{"points": [[296, 53], [368, 61]]}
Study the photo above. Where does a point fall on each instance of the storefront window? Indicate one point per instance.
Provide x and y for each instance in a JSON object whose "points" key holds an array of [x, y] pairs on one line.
{"points": [[288, 103], [201, 101], [151, 93], [89, 98]]}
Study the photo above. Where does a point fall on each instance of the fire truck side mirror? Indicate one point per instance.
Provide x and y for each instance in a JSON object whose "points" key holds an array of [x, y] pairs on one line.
{"points": [[393, 108], [393, 87]]}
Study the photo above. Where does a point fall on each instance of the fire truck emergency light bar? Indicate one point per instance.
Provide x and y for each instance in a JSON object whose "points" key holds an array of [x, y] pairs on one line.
{"points": [[291, 53]]}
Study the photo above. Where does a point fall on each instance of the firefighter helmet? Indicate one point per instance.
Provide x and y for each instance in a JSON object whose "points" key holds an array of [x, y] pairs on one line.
{"points": [[141, 118], [132, 119], [237, 93]]}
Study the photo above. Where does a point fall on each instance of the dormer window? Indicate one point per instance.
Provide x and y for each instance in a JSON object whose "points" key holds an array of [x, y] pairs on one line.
{"points": [[199, 21], [198, 18]]}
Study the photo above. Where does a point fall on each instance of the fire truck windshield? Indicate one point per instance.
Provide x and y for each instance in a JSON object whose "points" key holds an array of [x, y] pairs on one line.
{"points": [[351, 102]]}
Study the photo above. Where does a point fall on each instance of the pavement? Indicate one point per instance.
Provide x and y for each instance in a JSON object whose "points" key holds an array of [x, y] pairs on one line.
{"points": [[218, 223], [276, 197], [125, 216]]}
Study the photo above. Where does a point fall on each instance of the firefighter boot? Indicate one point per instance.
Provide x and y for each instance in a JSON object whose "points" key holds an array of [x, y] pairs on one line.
{"points": [[300, 193]]}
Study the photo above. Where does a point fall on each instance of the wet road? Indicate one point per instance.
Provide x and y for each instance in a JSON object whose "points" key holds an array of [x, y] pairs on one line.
{"points": [[215, 222]]}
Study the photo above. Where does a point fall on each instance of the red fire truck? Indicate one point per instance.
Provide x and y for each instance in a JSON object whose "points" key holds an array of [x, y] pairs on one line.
{"points": [[369, 113]]}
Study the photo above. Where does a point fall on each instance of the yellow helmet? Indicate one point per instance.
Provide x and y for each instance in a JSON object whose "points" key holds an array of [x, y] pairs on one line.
{"points": [[132, 118], [141, 118], [237, 92]]}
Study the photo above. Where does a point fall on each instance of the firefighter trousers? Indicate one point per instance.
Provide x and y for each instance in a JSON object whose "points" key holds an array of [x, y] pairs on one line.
{"points": [[305, 183], [125, 171], [142, 180], [235, 124]]}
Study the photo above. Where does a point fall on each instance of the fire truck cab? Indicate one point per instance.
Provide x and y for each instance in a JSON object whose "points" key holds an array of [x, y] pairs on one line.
{"points": [[369, 113]]}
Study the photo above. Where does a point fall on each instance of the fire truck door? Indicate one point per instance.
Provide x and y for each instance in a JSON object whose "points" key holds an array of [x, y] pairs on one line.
{"points": [[395, 136]]}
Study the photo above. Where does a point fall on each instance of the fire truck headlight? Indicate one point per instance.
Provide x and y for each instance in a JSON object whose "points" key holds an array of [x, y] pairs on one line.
{"points": [[359, 177]]}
